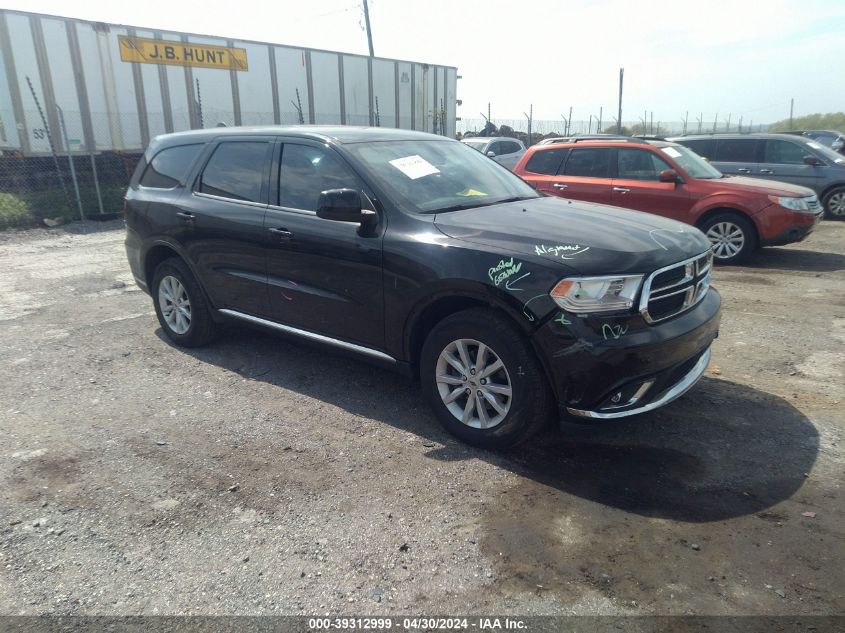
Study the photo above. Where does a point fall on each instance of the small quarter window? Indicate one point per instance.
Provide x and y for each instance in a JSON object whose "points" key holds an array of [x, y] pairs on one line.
{"points": [[169, 167]]}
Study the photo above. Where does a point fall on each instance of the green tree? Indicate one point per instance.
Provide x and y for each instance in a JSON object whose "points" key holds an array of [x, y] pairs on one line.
{"points": [[829, 121]]}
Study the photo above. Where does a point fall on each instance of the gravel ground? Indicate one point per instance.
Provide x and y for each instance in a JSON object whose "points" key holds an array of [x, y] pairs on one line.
{"points": [[260, 476]]}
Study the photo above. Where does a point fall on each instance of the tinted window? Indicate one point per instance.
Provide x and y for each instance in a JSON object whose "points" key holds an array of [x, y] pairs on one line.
{"points": [[236, 170], [509, 147], [546, 161], [736, 150], [308, 171], [784, 152], [496, 148], [639, 164], [591, 162], [702, 147], [170, 166]]}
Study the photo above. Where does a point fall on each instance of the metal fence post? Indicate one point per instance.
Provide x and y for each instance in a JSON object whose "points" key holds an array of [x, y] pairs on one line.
{"points": [[96, 180], [70, 162]]}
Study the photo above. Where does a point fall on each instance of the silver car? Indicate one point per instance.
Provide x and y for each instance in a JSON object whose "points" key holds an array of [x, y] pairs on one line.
{"points": [[504, 150]]}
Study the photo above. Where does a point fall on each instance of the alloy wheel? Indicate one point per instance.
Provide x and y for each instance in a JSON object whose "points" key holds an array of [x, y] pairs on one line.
{"points": [[836, 204], [175, 304], [473, 383], [727, 239]]}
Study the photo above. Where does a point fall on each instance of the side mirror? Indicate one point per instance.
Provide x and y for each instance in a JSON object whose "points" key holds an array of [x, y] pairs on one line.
{"points": [[812, 160], [491, 154], [344, 205], [668, 175]]}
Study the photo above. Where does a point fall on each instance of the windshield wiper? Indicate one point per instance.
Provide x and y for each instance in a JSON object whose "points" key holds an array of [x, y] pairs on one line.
{"points": [[486, 203]]}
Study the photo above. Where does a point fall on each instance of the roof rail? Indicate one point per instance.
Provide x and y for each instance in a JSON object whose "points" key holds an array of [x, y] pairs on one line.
{"points": [[650, 137], [589, 137]]}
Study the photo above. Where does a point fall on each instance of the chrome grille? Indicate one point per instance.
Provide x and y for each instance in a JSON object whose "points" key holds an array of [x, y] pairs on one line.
{"points": [[674, 289]]}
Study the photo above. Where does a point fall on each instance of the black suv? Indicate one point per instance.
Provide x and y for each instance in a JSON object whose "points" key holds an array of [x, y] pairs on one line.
{"points": [[419, 253]]}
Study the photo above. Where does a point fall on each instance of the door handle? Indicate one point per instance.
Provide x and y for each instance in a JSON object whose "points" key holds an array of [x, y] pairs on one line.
{"points": [[767, 171], [282, 233], [744, 170], [186, 215], [621, 189], [558, 185]]}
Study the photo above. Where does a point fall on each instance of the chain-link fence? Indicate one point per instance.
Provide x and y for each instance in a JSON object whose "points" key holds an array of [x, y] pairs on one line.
{"points": [[545, 128]]}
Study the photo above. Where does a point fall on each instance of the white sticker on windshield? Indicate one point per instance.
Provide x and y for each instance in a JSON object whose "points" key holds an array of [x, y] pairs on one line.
{"points": [[814, 145], [414, 166], [671, 151]]}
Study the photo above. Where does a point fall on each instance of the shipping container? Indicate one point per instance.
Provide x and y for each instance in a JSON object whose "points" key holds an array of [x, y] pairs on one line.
{"points": [[117, 86]]}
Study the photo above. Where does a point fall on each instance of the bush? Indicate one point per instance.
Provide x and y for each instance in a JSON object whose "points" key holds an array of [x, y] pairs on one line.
{"points": [[13, 212]]}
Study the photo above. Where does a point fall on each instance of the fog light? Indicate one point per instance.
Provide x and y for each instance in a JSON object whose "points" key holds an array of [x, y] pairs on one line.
{"points": [[617, 397]]}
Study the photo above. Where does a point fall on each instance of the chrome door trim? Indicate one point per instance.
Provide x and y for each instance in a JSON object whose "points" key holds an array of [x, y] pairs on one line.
{"points": [[312, 336]]}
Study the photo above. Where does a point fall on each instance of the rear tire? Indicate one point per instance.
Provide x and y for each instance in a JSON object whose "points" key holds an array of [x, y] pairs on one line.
{"points": [[834, 204], [732, 236], [181, 306], [483, 380]]}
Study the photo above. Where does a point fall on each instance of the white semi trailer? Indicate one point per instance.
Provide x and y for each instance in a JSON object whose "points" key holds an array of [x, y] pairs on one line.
{"points": [[119, 86]]}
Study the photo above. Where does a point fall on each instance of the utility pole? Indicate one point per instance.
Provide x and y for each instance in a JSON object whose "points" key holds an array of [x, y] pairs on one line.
{"points": [[619, 115], [369, 31], [791, 108]]}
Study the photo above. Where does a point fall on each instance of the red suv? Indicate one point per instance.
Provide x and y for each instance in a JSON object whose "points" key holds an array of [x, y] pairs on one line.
{"points": [[737, 214]]}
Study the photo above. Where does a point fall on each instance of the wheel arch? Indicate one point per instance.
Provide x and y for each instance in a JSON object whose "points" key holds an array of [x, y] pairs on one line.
{"points": [[720, 210], [160, 251], [426, 315]]}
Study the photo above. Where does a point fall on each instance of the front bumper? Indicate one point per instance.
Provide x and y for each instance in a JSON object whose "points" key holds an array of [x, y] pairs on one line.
{"points": [[612, 367], [674, 392], [795, 233]]}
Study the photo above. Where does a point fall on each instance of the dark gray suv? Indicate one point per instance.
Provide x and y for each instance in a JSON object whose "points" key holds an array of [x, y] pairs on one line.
{"points": [[789, 158]]}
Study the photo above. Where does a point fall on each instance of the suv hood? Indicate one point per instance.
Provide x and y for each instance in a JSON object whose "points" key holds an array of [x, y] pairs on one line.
{"points": [[763, 186], [586, 237]]}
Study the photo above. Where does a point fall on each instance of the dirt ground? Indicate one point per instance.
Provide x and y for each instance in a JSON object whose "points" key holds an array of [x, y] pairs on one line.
{"points": [[261, 476]]}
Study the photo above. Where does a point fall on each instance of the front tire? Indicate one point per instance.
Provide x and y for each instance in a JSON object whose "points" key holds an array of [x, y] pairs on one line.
{"points": [[181, 306], [732, 236], [483, 380], [834, 204]]}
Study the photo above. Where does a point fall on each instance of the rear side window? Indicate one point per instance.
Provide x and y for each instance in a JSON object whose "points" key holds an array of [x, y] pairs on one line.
{"points": [[236, 170], [702, 147], [593, 162], [784, 152], [509, 147], [308, 171], [546, 161], [639, 164], [736, 150], [170, 166]]}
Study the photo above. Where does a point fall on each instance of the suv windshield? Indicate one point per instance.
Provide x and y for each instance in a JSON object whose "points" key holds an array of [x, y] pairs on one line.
{"points": [[826, 152], [438, 176], [690, 162]]}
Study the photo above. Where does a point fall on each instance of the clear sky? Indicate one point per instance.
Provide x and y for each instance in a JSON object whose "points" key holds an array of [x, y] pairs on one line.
{"points": [[744, 58]]}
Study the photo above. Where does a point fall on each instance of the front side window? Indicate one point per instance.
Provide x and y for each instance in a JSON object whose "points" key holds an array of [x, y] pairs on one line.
{"points": [[639, 164], [170, 166], [308, 171], [593, 162], [236, 170], [476, 145], [546, 161], [509, 147], [437, 176], [784, 152], [736, 150]]}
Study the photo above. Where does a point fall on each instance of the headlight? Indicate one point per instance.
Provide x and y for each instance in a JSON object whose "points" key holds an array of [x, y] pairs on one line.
{"points": [[583, 295], [788, 202]]}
